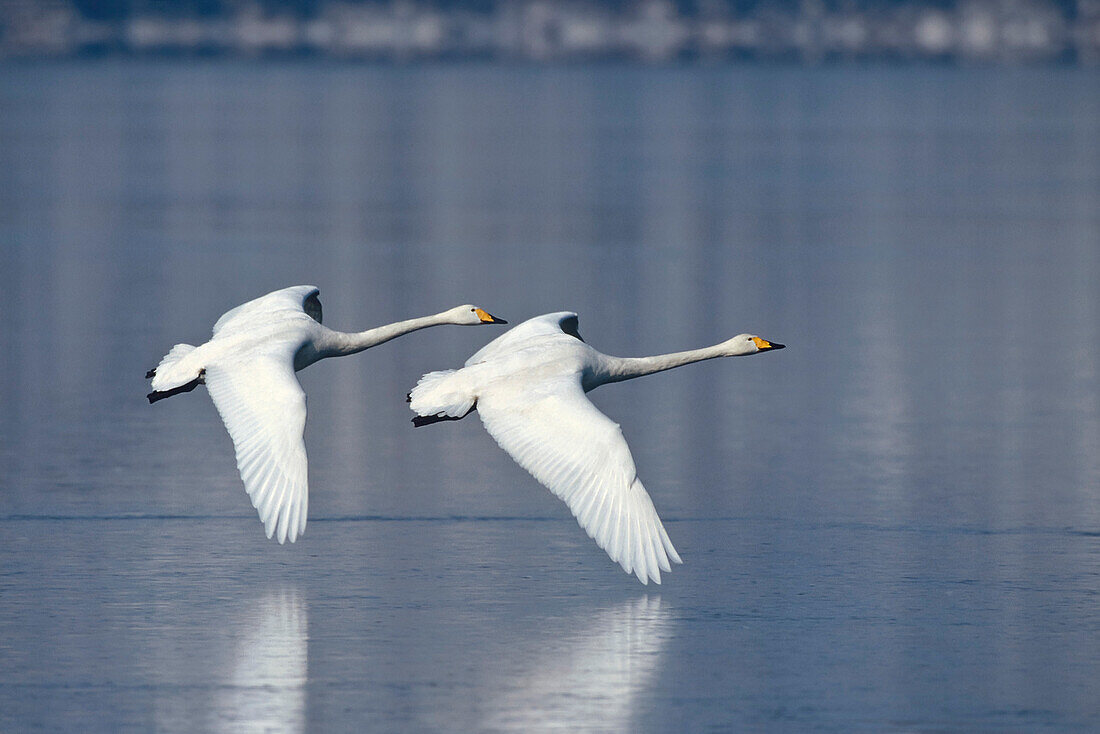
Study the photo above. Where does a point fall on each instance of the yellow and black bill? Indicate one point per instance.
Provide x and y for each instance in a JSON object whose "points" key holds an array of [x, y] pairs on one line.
{"points": [[488, 318], [763, 344]]}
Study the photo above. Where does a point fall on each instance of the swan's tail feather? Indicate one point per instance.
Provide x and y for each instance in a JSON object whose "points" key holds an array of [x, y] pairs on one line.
{"points": [[440, 396], [176, 373]]}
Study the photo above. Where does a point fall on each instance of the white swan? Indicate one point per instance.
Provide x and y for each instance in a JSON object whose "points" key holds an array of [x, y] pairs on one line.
{"points": [[528, 386], [248, 366]]}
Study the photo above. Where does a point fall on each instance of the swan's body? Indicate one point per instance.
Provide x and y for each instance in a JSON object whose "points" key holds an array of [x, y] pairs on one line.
{"points": [[529, 386], [248, 366]]}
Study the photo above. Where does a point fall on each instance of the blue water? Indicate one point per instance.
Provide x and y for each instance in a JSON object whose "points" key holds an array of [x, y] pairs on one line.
{"points": [[892, 525]]}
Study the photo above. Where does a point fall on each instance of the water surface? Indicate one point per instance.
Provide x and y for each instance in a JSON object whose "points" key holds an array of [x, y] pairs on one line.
{"points": [[890, 526]]}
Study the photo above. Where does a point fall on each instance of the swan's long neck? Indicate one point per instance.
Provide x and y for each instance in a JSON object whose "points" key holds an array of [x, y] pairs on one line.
{"points": [[627, 368], [341, 343]]}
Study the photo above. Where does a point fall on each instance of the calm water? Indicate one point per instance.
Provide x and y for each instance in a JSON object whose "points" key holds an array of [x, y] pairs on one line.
{"points": [[893, 525]]}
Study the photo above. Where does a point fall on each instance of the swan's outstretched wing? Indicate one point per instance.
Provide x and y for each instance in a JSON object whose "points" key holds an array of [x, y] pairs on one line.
{"points": [[553, 431], [295, 298], [550, 324], [264, 409]]}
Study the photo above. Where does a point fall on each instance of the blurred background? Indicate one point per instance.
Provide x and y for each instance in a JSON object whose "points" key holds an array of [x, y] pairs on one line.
{"points": [[576, 30], [892, 525]]}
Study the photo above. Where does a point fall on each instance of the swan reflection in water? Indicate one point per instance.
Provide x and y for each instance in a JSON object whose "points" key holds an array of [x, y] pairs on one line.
{"points": [[594, 679], [265, 690]]}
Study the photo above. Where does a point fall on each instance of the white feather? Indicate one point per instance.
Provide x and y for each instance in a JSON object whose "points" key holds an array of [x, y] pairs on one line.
{"points": [[547, 325], [529, 387], [175, 369], [264, 410], [248, 367], [441, 394], [246, 316], [580, 455]]}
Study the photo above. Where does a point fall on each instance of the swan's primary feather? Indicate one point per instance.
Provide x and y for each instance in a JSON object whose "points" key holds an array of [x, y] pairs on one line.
{"points": [[559, 436], [264, 410]]}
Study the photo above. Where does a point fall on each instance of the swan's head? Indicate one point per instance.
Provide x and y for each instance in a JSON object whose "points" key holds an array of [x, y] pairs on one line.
{"points": [[471, 315], [749, 344]]}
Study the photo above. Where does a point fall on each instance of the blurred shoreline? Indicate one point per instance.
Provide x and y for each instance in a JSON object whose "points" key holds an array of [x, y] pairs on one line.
{"points": [[649, 31]]}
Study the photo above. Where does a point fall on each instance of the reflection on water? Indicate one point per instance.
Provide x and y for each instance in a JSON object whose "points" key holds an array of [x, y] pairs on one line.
{"points": [[597, 675], [234, 665], [265, 690]]}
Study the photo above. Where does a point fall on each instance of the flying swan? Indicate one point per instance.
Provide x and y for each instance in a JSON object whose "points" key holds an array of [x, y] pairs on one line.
{"points": [[528, 386], [248, 367]]}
